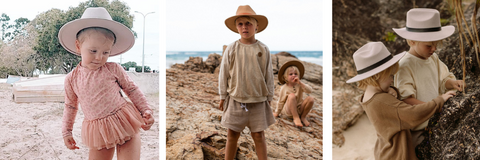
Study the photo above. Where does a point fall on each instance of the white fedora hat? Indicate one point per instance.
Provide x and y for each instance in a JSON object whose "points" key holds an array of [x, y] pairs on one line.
{"points": [[96, 17], [246, 10], [372, 58], [423, 24]]}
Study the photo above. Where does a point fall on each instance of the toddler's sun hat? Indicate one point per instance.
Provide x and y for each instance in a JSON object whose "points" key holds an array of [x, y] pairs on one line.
{"points": [[96, 17], [423, 24], [282, 69], [246, 10], [372, 58]]}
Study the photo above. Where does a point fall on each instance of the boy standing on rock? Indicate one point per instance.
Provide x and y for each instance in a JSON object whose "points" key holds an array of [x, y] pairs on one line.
{"points": [[422, 76], [246, 83]]}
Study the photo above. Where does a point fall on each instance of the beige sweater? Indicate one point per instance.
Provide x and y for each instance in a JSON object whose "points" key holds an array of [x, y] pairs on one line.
{"points": [[286, 90], [393, 120], [422, 79], [246, 73]]}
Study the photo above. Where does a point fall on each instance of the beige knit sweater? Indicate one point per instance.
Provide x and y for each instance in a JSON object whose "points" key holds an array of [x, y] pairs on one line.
{"points": [[246, 73]]}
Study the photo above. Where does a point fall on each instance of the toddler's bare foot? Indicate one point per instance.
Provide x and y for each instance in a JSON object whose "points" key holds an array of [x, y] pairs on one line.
{"points": [[305, 121], [298, 122]]}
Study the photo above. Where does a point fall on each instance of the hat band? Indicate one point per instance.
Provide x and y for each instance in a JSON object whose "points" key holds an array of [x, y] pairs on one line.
{"points": [[373, 66], [434, 29]]}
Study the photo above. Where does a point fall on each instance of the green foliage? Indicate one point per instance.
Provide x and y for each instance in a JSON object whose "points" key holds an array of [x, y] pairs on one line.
{"points": [[390, 37], [137, 68], [4, 18], [444, 22], [129, 64], [52, 56]]}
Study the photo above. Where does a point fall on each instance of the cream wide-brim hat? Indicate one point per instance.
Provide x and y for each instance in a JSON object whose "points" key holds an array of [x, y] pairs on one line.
{"points": [[96, 17], [295, 63], [423, 24], [246, 10], [372, 58]]}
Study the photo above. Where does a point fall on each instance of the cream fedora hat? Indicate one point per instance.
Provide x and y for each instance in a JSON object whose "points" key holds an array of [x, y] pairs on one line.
{"points": [[96, 17], [372, 58], [246, 10], [423, 24]]}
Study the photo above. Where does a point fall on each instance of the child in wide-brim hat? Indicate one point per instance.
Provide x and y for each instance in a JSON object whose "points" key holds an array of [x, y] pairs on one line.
{"points": [[422, 76], [111, 122], [246, 82], [391, 117], [291, 100]]}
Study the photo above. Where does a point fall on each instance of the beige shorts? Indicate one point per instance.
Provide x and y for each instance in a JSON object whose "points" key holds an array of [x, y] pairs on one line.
{"points": [[256, 116]]}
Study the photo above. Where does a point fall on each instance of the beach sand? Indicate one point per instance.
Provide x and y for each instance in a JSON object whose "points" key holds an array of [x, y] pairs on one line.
{"points": [[359, 141], [33, 130]]}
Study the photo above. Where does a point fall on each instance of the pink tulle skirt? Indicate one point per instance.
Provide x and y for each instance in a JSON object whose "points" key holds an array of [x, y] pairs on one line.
{"points": [[114, 129]]}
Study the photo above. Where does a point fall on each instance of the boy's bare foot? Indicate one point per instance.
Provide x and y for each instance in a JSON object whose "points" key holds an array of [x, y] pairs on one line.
{"points": [[305, 121], [298, 122]]}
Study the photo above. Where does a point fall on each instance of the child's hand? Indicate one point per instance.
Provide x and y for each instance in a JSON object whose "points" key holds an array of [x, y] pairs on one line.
{"points": [[448, 95], [296, 80], [455, 84], [70, 143], [221, 104], [149, 120], [275, 115], [392, 91]]}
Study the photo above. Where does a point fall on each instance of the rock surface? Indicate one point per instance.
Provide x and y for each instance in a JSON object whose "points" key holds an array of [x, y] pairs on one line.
{"points": [[355, 23], [193, 119], [454, 133]]}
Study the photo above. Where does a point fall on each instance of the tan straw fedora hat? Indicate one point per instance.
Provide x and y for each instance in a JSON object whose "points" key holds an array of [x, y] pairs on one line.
{"points": [[423, 24], [282, 69], [246, 10], [372, 58], [96, 17]]}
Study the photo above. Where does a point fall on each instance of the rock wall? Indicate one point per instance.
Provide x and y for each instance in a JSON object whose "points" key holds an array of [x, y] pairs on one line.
{"points": [[193, 119], [454, 133]]}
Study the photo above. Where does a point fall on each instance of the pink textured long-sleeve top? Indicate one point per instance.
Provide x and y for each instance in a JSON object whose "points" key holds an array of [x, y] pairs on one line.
{"points": [[98, 92]]}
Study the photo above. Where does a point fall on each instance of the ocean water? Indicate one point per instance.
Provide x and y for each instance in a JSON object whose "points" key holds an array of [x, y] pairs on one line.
{"points": [[180, 57]]}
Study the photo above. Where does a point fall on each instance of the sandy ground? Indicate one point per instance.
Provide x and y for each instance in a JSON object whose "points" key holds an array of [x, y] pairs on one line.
{"points": [[359, 141], [33, 130]]}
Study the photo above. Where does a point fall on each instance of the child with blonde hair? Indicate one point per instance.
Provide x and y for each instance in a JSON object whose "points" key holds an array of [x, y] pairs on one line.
{"points": [[391, 117], [246, 83], [110, 120], [422, 76], [291, 94]]}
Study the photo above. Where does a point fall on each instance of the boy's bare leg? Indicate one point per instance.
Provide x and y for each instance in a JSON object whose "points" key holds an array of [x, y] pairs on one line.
{"points": [[231, 146], [306, 106], [260, 144], [103, 154], [130, 150], [292, 107]]}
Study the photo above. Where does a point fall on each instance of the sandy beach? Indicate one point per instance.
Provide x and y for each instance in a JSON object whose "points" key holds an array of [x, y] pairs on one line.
{"points": [[33, 130], [359, 141]]}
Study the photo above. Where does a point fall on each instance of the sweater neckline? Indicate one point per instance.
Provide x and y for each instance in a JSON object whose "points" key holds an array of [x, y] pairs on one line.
{"points": [[257, 41], [85, 69]]}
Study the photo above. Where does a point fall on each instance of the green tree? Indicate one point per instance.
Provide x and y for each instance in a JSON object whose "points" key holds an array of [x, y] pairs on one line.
{"points": [[4, 24], [51, 55], [129, 64], [18, 54], [19, 26]]}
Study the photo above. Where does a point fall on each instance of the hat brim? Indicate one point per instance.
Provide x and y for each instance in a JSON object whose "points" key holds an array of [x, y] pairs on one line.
{"points": [[282, 69], [262, 22], [445, 32], [379, 69], [124, 36]]}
